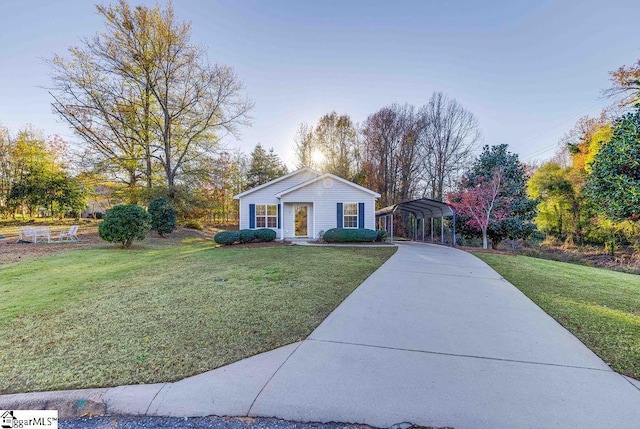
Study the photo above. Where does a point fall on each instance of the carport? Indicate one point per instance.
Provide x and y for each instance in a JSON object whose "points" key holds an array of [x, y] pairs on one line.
{"points": [[421, 210]]}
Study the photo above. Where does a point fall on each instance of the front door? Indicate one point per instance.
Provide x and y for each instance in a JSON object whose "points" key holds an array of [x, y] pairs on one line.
{"points": [[301, 221]]}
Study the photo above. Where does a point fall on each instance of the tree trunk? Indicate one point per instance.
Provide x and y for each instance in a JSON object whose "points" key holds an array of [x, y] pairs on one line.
{"points": [[132, 196], [167, 153], [484, 238], [147, 136], [171, 188]]}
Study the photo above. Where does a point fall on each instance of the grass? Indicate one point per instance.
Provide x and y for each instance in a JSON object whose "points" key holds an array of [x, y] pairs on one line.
{"points": [[104, 316], [600, 307]]}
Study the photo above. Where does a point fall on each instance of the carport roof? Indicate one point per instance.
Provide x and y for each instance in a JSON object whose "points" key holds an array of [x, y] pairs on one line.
{"points": [[422, 206]]}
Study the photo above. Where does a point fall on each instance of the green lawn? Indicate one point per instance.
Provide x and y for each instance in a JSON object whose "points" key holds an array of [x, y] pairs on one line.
{"points": [[600, 307], [105, 317]]}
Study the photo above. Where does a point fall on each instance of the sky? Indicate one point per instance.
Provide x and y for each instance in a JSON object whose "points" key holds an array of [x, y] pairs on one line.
{"points": [[528, 70]]}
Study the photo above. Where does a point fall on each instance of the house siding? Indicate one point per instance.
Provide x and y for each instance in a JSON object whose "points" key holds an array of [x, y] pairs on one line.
{"points": [[267, 194], [325, 194]]}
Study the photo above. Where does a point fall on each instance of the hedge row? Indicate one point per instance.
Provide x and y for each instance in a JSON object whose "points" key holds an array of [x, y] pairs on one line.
{"points": [[344, 235], [228, 238]]}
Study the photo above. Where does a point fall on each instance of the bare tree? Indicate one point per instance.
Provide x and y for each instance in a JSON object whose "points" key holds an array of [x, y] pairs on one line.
{"points": [[198, 103], [391, 157], [142, 96], [100, 109], [625, 85], [336, 137], [448, 133], [303, 146], [380, 142], [331, 147]]}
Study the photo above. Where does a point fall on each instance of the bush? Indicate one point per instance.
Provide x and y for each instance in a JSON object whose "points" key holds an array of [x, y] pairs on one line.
{"points": [[246, 235], [382, 235], [264, 234], [125, 223], [342, 235], [194, 224], [163, 216], [226, 238]]}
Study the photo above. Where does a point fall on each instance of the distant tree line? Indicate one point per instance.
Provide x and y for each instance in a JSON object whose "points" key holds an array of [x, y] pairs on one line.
{"points": [[34, 176], [401, 151], [150, 111], [590, 192]]}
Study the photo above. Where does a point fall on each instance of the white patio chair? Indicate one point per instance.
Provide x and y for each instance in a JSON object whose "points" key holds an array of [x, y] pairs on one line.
{"points": [[29, 233], [70, 235], [21, 236], [42, 232]]}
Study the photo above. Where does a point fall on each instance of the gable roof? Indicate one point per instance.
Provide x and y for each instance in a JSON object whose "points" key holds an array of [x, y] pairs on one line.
{"points": [[324, 176], [264, 185]]}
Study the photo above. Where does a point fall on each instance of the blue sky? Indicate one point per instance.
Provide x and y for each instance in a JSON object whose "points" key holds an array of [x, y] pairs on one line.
{"points": [[527, 70]]}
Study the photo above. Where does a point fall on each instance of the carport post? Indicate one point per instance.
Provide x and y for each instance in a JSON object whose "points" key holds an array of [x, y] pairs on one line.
{"points": [[442, 229], [392, 227], [454, 228], [423, 227], [431, 229]]}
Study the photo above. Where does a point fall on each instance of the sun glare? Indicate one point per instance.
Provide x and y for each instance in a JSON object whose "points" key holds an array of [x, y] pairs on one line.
{"points": [[317, 157]]}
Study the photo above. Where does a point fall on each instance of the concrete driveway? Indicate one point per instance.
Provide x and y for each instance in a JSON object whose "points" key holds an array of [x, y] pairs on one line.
{"points": [[434, 337]]}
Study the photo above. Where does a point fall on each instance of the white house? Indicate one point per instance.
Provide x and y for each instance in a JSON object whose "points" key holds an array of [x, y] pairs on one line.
{"points": [[304, 203]]}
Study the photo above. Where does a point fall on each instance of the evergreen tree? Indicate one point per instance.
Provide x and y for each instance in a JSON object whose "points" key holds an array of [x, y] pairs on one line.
{"points": [[614, 183], [263, 167], [163, 216], [518, 222]]}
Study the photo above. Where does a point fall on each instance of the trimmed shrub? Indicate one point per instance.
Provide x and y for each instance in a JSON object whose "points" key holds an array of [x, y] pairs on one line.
{"points": [[265, 234], [348, 235], [194, 224], [163, 216], [125, 223], [246, 235], [226, 238], [382, 235]]}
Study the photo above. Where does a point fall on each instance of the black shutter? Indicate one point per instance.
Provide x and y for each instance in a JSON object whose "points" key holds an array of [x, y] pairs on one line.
{"points": [[279, 216]]}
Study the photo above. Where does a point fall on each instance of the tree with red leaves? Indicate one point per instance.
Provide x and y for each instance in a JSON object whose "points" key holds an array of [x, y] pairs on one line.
{"points": [[481, 202]]}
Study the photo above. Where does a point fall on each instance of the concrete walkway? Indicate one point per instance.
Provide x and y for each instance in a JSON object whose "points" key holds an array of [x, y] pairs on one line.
{"points": [[434, 337]]}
